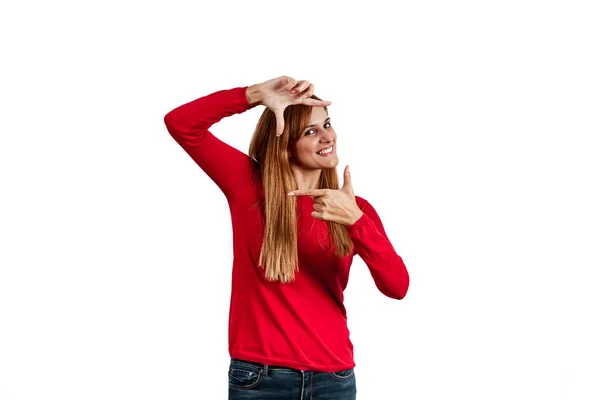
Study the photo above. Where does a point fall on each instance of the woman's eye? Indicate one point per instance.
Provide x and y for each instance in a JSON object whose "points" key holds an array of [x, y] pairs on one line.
{"points": [[327, 125]]}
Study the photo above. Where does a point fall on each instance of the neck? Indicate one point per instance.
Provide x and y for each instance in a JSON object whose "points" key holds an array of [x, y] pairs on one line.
{"points": [[306, 178]]}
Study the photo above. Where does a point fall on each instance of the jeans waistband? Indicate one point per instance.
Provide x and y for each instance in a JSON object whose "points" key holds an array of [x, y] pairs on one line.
{"points": [[265, 366]]}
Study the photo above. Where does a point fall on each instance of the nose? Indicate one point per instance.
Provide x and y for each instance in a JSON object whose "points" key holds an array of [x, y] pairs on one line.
{"points": [[328, 136]]}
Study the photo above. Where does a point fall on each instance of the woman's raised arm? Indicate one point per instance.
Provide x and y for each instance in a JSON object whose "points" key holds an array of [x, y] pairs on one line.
{"points": [[228, 167], [188, 124]]}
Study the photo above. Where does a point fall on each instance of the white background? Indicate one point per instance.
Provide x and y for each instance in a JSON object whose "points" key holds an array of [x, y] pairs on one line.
{"points": [[468, 125]]}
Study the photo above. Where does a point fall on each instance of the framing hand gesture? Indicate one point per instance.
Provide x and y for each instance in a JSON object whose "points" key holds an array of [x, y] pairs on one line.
{"points": [[334, 205], [281, 92]]}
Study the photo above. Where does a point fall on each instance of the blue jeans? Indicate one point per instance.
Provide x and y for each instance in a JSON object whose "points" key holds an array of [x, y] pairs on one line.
{"points": [[255, 381]]}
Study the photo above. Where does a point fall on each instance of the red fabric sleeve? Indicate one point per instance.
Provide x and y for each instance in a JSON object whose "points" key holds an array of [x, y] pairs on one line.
{"points": [[373, 246], [188, 124]]}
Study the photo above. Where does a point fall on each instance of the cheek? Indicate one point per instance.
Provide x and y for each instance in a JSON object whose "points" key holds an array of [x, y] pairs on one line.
{"points": [[304, 150]]}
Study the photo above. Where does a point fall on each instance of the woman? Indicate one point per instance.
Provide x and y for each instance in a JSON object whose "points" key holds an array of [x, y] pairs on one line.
{"points": [[288, 334]]}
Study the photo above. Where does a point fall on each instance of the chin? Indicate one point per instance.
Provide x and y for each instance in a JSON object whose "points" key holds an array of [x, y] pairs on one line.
{"points": [[333, 165]]}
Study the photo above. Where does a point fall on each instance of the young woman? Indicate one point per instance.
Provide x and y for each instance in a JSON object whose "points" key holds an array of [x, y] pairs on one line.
{"points": [[295, 233]]}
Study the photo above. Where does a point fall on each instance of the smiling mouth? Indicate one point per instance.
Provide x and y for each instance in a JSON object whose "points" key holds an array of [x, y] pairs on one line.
{"points": [[326, 152]]}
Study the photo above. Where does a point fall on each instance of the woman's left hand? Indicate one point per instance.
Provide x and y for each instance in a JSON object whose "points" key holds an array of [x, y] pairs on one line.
{"points": [[334, 205]]}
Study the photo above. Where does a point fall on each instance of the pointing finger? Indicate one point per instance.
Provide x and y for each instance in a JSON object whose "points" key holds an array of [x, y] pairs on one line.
{"points": [[308, 192], [315, 102]]}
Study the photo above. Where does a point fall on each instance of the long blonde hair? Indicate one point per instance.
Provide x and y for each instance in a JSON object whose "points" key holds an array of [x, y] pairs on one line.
{"points": [[279, 248]]}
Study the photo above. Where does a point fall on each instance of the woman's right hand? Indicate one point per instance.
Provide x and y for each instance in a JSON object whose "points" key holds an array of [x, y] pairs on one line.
{"points": [[278, 93]]}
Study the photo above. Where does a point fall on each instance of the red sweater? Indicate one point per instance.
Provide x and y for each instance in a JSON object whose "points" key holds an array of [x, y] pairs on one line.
{"points": [[301, 324]]}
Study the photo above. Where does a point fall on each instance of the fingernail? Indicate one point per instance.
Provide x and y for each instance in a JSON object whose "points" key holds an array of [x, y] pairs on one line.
{"points": [[291, 194]]}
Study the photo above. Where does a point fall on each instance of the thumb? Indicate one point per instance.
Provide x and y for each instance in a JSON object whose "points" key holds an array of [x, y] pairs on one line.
{"points": [[280, 122], [347, 180]]}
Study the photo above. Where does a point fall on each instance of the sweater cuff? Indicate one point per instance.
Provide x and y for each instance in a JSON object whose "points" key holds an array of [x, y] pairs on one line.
{"points": [[358, 224], [242, 99]]}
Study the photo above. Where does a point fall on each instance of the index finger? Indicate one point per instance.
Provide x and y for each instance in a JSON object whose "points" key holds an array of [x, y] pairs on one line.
{"points": [[315, 102], [308, 192]]}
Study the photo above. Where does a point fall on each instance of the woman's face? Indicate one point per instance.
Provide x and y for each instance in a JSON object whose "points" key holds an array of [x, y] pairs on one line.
{"points": [[318, 135]]}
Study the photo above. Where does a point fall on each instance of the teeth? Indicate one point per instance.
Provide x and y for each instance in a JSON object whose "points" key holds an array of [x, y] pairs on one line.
{"points": [[328, 150]]}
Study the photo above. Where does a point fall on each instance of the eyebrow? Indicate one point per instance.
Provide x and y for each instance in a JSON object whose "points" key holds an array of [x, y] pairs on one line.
{"points": [[311, 125]]}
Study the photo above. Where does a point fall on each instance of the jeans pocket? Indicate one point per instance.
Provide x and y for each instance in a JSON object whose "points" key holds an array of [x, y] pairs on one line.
{"points": [[343, 374], [243, 375]]}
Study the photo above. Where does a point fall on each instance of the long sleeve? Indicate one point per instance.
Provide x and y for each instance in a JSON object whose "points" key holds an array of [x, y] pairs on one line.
{"points": [[373, 246], [188, 124]]}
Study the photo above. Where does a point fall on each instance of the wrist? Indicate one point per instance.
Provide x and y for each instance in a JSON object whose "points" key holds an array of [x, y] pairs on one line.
{"points": [[358, 215], [253, 94]]}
